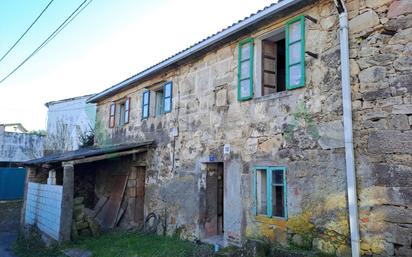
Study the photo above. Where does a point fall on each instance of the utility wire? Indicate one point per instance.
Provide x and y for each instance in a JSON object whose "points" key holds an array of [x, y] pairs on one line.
{"points": [[27, 30], [60, 28]]}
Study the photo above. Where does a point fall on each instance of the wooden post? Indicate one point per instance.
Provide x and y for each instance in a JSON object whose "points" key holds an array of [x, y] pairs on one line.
{"points": [[67, 201], [31, 172]]}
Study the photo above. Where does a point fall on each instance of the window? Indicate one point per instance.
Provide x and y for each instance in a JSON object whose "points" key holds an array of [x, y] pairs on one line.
{"points": [[270, 191], [295, 53], [167, 100], [161, 97], [245, 70], [112, 115], [273, 63], [159, 102], [280, 61], [145, 104], [127, 110], [121, 110]]}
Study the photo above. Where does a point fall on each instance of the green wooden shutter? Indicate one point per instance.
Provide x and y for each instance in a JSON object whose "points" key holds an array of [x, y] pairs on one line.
{"points": [[167, 97], [295, 53], [145, 104], [245, 70]]}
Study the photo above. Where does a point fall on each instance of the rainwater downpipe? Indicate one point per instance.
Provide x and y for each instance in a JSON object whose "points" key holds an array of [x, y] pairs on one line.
{"points": [[347, 126]]}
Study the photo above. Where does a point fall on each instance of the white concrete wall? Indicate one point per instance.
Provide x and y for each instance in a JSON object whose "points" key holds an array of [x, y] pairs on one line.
{"points": [[67, 120], [19, 147], [43, 208]]}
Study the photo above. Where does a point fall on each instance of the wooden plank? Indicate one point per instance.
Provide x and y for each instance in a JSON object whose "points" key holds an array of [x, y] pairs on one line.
{"points": [[111, 208], [99, 206]]}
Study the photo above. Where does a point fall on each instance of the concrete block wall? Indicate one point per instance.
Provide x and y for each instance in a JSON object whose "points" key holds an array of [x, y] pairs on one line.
{"points": [[43, 208]]}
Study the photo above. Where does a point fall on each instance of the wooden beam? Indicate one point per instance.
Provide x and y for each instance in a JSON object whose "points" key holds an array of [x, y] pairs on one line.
{"points": [[107, 156]]}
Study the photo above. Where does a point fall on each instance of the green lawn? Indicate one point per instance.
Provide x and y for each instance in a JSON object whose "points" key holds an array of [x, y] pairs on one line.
{"points": [[118, 244], [122, 244]]}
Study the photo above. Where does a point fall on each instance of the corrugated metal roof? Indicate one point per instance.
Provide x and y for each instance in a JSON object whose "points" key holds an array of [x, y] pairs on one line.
{"points": [[87, 152], [201, 45]]}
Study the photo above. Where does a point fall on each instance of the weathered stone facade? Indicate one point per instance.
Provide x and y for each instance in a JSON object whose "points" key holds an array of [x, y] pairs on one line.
{"points": [[299, 129]]}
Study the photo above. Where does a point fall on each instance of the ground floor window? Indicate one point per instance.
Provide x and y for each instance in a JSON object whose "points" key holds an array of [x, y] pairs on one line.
{"points": [[270, 191]]}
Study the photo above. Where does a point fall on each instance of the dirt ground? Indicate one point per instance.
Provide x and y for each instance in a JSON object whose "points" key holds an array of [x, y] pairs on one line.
{"points": [[9, 224]]}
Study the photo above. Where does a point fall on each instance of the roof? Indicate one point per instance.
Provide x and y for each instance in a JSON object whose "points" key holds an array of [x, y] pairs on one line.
{"points": [[68, 100], [87, 152], [213, 40]]}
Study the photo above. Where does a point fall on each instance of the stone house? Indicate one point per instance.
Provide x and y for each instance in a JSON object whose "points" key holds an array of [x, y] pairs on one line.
{"points": [[248, 133]]}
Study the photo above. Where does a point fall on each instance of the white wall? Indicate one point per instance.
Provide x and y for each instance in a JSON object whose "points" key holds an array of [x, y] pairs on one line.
{"points": [[43, 208], [19, 147], [67, 120]]}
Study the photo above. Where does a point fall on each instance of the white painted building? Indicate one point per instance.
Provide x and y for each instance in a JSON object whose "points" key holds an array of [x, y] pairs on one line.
{"points": [[17, 145], [67, 121]]}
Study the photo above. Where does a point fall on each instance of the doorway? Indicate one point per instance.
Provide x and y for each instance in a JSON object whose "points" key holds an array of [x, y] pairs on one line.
{"points": [[214, 200], [140, 190]]}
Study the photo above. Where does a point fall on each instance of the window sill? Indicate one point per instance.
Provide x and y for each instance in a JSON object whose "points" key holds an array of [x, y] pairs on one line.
{"points": [[273, 96], [270, 220]]}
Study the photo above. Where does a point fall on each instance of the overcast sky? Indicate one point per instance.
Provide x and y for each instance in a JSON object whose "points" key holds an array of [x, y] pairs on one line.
{"points": [[107, 43]]}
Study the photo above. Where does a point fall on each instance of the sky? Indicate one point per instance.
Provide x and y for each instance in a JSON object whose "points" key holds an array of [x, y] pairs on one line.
{"points": [[108, 42]]}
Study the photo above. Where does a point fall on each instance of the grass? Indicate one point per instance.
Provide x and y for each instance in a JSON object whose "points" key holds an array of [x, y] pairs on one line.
{"points": [[117, 244], [132, 244], [122, 244]]}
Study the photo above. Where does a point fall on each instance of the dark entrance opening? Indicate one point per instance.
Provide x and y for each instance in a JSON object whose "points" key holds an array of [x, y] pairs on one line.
{"points": [[214, 199]]}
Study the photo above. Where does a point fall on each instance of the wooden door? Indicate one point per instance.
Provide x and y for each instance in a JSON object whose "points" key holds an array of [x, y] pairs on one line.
{"points": [[269, 80]]}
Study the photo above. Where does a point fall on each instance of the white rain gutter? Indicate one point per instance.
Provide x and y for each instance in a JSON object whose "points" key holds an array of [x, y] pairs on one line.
{"points": [[347, 125]]}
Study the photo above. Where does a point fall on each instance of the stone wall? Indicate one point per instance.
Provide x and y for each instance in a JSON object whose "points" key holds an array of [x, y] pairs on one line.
{"points": [[381, 59], [300, 129]]}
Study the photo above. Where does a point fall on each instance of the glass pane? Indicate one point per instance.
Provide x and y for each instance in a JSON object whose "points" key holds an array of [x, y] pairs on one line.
{"points": [[112, 109], [127, 104], [295, 53], [295, 75], [294, 31], [245, 70], [159, 102], [261, 192], [245, 88], [126, 117], [278, 201], [245, 51], [145, 111], [277, 177], [168, 89], [168, 104], [145, 97]]}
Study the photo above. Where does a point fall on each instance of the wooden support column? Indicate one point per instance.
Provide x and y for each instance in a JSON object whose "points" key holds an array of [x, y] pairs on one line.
{"points": [[30, 174], [67, 201]]}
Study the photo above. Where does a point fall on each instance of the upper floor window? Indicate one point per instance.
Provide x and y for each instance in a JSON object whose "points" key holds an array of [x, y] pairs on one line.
{"points": [[280, 63], [162, 99], [145, 104], [121, 110], [270, 191]]}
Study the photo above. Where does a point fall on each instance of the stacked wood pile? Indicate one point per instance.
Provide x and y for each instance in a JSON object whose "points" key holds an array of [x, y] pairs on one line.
{"points": [[83, 224]]}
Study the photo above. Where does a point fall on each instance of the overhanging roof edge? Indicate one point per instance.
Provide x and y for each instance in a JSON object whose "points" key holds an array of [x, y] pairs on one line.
{"points": [[276, 8]]}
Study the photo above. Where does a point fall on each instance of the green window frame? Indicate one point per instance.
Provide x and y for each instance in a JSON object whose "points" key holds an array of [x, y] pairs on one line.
{"points": [[145, 104], [167, 97], [273, 175], [292, 66], [247, 78]]}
